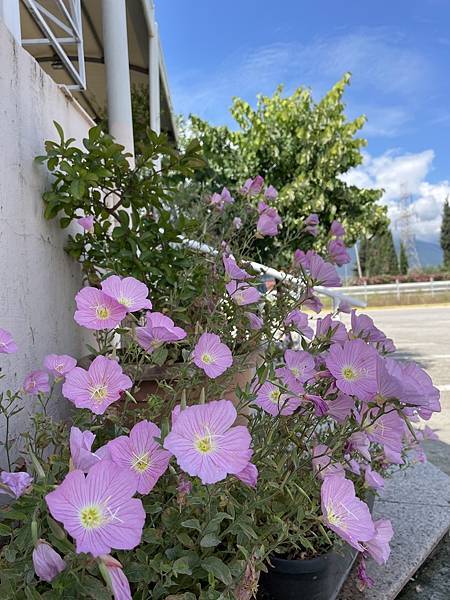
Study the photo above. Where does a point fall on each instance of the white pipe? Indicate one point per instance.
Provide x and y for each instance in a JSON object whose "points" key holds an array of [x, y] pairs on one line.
{"points": [[115, 43], [10, 15]]}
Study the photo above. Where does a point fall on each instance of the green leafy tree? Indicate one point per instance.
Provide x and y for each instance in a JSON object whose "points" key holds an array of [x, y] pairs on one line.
{"points": [[378, 255], [301, 147], [445, 234], [403, 260]]}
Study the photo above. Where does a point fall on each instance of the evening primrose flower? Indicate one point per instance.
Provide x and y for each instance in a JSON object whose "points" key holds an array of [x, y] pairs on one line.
{"points": [[205, 442], [47, 562], [98, 510], [232, 270], [255, 321], [354, 366], [59, 364], [344, 513], [80, 444], [274, 401], [299, 320], [268, 220], [157, 330], [378, 545], [87, 223], [17, 483], [128, 291], [242, 293], [36, 382], [96, 310], [7, 344], [211, 355], [116, 578], [141, 454], [98, 387]]}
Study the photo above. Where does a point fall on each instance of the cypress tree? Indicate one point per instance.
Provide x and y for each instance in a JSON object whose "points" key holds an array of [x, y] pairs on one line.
{"points": [[403, 261], [445, 234], [380, 255]]}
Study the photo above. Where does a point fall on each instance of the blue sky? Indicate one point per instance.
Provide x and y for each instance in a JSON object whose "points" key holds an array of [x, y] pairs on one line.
{"points": [[398, 53]]}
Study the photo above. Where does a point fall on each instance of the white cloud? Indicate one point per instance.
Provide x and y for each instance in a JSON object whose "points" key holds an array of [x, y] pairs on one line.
{"points": [[405, 174]]}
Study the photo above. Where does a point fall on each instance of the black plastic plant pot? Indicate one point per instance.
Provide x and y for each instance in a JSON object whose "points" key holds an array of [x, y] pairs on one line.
{"points": [[318, 578]]}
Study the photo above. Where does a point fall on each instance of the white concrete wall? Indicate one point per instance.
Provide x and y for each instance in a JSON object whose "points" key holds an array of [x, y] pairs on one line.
{"points": [[38, 281]]}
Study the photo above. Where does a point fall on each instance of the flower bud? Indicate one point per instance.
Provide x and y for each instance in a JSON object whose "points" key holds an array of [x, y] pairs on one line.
{"points": [[46, 562], [115, 578]]}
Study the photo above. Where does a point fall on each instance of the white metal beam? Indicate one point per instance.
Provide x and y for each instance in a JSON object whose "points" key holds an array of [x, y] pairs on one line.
{"points": [[154, 91], [115, 40]]}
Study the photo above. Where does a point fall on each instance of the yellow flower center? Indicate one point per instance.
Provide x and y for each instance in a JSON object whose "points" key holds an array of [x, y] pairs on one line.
{"points": [[207, 358], [295, 372], [333, 518], [205, 444], [91, 517], [239, 298], [141, 462], [102, 312], [349, 373], [125, 301], [274, 396], [98, 392]]}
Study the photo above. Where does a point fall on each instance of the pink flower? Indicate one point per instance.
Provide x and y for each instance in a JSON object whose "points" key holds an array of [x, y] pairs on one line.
{"points": [[98, 510], [206, 444], [248, 475], [323, 273], [80, 443], [118, 581], [354, 366], [330, 330], [232, 269], [252, 187], [337, 253], [323, 463], [98, 387], [300, 365], [312, 302], [364, 581], [87, 223], [373, 479], [363, 327], [341, 407], [300, 322], [388, 386], [59, 364], [337, 229], [360, 443], [220, 200], [344, 513], [7, 344], [184, 486], [320, 406], [129, 292], [17, 483], [242, 293], [141, 454], [274, 401], [211, 355], [158, 329], [256, 323], [268, 221], [271, 193], [345, 306], [418, 390], [36, 382], [96, 310], [378, 545], [387, 430], [311, 225], [47, 562], [237, 222]]}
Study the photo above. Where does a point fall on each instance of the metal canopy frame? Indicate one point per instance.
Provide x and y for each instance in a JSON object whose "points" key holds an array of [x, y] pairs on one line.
{"points": [[72, 26]]}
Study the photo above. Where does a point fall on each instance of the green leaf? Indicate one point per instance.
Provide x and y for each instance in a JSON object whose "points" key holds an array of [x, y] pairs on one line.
{"points": [[5, 530], [218, 568], [209, 541], [192, 524], [181, 566]]}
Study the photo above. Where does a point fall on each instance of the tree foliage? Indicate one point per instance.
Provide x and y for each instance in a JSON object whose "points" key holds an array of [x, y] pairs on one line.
{"points": [[301, 147], [445, 234], [403, 260], [378, 255]]}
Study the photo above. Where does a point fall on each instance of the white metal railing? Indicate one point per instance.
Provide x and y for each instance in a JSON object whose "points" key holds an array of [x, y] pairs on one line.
{"points": [[336, 294], [68, 19], [397, 288]]}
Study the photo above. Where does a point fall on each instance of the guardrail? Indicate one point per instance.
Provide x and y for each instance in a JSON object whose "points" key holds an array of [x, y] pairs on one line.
{"points": [[336, 294], [397, 288]]}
